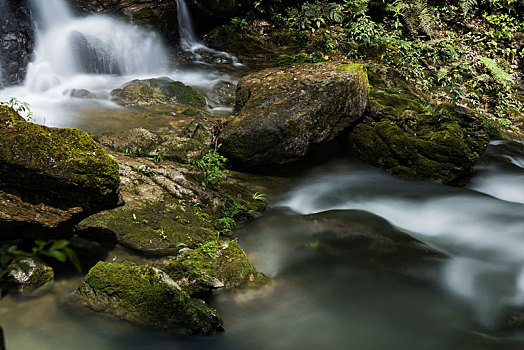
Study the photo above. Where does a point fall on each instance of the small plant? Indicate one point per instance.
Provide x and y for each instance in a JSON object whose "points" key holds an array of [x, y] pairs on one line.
{"points": [[56, 249], [162, 234], [259, 197], [146, 170], [210, 248], [197, 208], [20, 107], [213, 167]]}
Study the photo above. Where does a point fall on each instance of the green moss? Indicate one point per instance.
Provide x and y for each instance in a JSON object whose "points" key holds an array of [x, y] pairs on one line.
{"points": [[145, 17], [200, 270], [145, 295], [68, 156], [154, 227]]}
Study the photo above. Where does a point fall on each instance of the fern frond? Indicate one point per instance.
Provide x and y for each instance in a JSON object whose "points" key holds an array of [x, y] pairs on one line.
{"points": [[497, 73]]}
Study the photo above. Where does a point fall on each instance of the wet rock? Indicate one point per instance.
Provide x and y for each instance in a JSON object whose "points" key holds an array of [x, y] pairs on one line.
{"points": [[82, 93], [17, 39], [159, 15], [92, 55], [50, 178], [146, 296], [282, 113], [27, 274], [411, 137], [217, 264], [223, 93], [155, 91]]}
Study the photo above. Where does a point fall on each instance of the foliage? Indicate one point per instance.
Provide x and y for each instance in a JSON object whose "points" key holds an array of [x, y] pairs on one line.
{"points": [[364, 30], [56, 249], [311, 16], [417, 15], [213, 167], [498, 74], [315, 57]]}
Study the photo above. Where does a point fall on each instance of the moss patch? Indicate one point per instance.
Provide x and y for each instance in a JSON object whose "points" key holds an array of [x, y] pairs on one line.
{"points": [[147, 296]]}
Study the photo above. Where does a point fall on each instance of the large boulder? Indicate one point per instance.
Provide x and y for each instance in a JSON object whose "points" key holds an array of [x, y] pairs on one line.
{"points": [[50, 178], [146, 296], [409, 136], [281, 113]]}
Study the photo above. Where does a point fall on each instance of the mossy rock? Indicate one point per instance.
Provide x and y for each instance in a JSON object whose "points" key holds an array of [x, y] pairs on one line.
{"points": [[146, 296], [53, 168], [282, 113], [28, 274], [156, 227], [412, 137], [155, 91], [216, 264]]}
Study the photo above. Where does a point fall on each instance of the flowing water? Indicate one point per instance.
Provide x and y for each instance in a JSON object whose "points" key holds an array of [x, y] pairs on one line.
{"points": [[323, 300], [189, 40], [318, 299]]}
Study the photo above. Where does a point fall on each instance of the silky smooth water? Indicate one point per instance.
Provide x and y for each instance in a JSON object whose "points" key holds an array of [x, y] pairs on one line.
{"points": [[320, 300], [118, 53]]}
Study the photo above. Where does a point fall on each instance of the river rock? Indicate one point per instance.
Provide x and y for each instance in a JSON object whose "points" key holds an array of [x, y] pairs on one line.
{"points": [[282, 113], [155, 91], [146, 296], [27, 274], [409, 136], [50, 178]]}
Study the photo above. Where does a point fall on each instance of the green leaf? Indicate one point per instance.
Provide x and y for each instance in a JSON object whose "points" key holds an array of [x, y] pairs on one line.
{"points": [[60, 244], [73, 258], [57, 254]]}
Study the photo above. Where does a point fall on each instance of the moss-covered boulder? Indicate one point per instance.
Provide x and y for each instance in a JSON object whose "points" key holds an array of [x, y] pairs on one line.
{"points": [[28, 274], [168, 208], [216, 264], [409, 136], [51, 178], [146, 296], [282, 113], [160, 90]]}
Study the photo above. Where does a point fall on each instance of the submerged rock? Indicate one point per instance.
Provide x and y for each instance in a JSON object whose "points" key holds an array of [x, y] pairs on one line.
{"points": [[27, 274], [50, 178], [146, 296], [411, 137], [160, 90], [282, 113]]}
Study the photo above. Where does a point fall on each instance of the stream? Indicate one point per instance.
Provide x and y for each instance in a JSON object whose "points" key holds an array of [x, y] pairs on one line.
{"points": [[317, 299]]}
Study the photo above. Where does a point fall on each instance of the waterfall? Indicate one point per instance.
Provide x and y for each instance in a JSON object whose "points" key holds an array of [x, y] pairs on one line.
{"points": [[69, 45], [189, 41]]}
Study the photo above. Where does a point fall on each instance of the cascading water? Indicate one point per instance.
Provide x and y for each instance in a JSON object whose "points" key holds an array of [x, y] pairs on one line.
{"points": [[97, 53], [68, 46], [188, 38]]}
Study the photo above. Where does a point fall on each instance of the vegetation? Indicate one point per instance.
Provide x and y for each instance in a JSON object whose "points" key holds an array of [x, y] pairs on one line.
{"points": [[56, 249], [466, 52], [213, 167]]}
